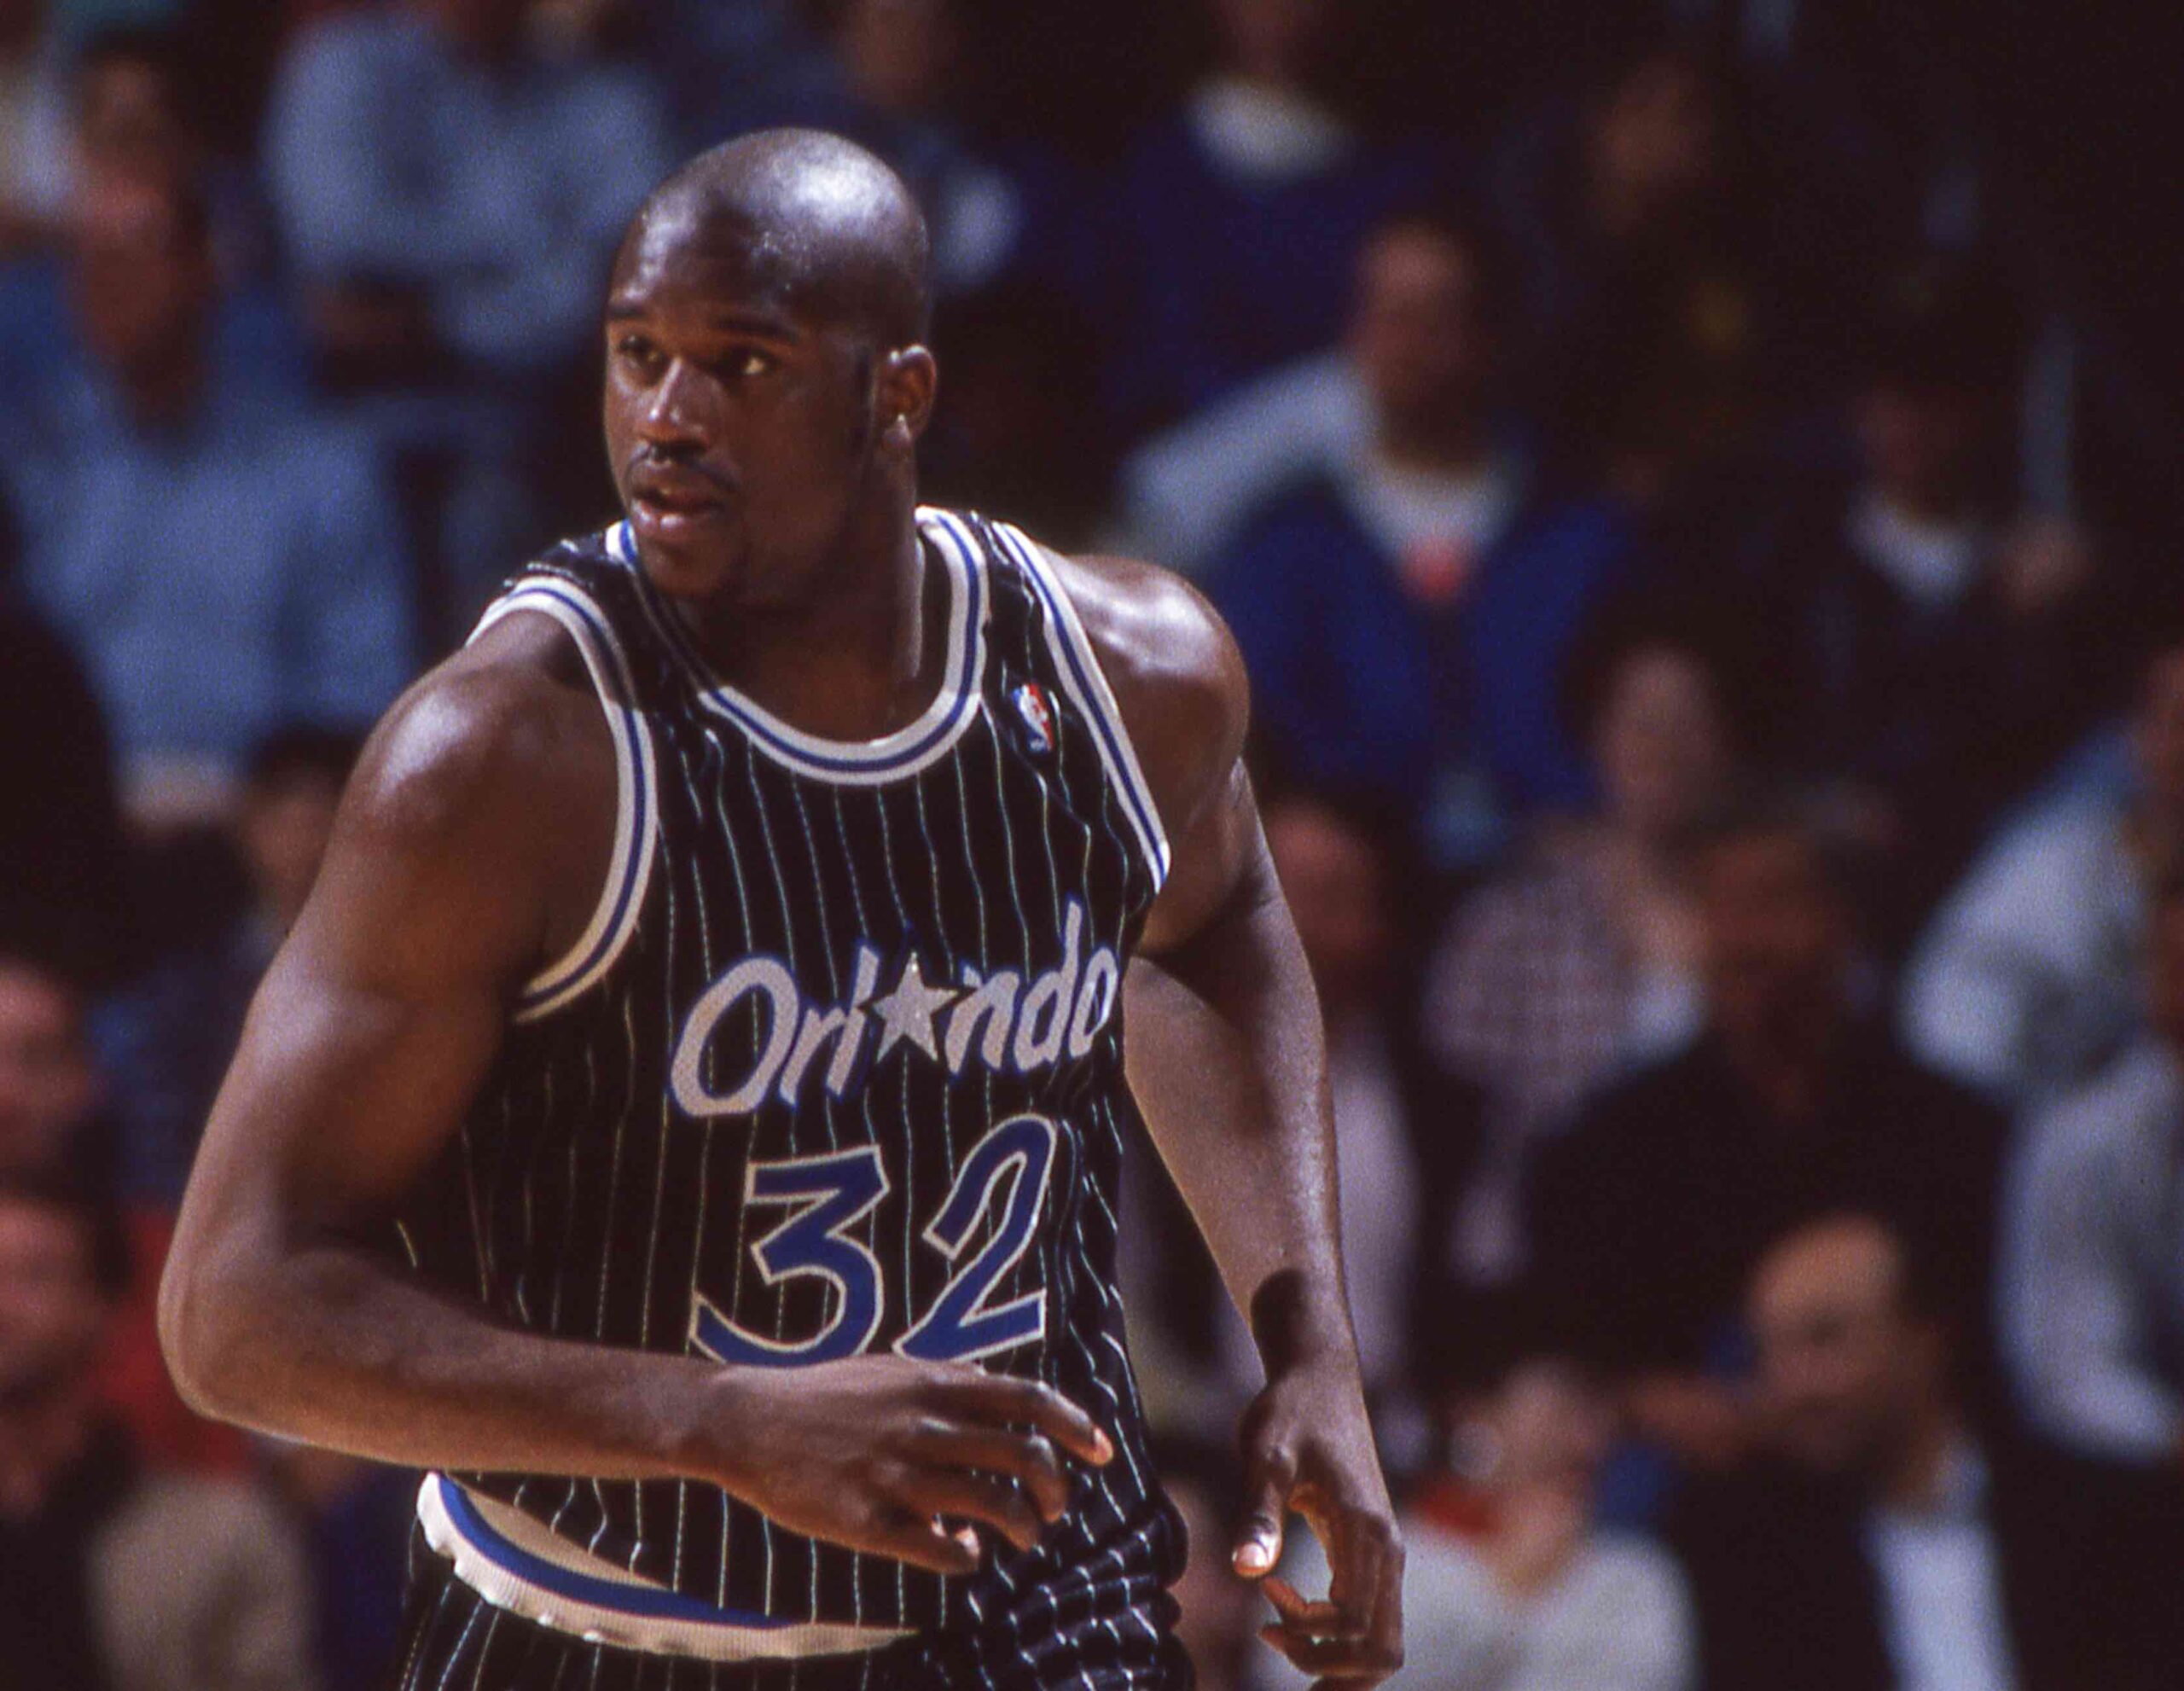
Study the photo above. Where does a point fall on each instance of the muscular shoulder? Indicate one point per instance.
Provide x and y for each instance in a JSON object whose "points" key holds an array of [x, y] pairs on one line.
{"points": [[1176, 673], [488, 789]]}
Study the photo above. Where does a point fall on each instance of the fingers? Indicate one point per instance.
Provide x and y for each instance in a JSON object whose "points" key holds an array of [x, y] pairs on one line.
{"points": [[1028, 1458], [983, 1397], [974, 1497], [922, 1542], [1356, 1634], [1272, 1477]]}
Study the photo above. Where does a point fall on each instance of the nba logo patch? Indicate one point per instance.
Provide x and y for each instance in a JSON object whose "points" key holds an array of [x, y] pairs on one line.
{"points": [[1037, 716]]}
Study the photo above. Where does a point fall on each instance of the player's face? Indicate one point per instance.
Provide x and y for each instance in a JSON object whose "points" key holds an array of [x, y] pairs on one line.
{"points": [[740, 431]]}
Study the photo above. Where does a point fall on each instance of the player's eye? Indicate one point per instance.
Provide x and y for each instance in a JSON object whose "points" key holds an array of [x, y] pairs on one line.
{"points": [[747, 363], [637, 351]]}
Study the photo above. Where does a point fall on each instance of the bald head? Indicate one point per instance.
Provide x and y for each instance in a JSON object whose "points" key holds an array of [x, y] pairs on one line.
{"points": [[1851, 1363], [809, 221]]}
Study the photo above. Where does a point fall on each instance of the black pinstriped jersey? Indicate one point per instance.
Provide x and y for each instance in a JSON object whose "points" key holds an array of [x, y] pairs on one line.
{"points": [[837, 1068]]}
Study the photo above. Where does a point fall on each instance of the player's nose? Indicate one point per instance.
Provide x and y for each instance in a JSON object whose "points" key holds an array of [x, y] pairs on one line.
{"points": [[674, 413]]}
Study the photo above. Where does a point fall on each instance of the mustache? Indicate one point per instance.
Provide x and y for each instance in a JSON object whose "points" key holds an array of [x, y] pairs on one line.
{"points": [[646, 458]]}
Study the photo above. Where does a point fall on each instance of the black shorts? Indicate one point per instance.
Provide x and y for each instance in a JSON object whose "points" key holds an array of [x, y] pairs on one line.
{"points": [[453, 1640]]}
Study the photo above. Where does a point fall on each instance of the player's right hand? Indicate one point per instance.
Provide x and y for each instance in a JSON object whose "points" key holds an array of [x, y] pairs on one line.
{"points": [[882, 1453]]}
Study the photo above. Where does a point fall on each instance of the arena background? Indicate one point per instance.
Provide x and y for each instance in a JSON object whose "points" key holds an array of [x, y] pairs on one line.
{"points": [[1696, 486]]}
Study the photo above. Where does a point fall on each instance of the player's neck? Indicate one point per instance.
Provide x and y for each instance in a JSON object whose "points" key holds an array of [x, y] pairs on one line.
{"points": [[856, 660]]}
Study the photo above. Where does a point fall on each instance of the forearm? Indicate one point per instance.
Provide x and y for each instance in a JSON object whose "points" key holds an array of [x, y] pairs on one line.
{"points": [[1228, 1060], [333, 1346]]}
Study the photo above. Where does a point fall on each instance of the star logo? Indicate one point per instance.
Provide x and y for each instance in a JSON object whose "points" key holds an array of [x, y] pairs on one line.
{"points": [[907, 1012]]}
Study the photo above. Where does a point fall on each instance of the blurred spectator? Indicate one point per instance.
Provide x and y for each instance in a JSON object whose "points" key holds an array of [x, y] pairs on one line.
{"points": [[49, 1086], [1647, 318], [1016, 438], [1508, 1583], [1186, 490], [168, 1040], [1405, 615], [224, 560], [1583, 960], [1220, 1613], [1238, 223], [54, 1123], [1335, 872], [1340, 873], [138, 97], [60, 854], [137, 108], [1647, 1217], [1942, 654], [451, 196], [357, 1519], [1882, 1540], [2094, 1304], [2029, 978], [441, 185], [113, 1578], [33, 125], [900, 63]]}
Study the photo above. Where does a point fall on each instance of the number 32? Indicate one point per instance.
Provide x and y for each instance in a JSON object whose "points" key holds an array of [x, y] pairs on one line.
{"points": [[831, 1194]]}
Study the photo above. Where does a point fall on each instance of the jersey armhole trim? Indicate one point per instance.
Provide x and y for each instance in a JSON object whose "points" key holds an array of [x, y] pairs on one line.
{"points": [[636, 806], [1086, 683]]}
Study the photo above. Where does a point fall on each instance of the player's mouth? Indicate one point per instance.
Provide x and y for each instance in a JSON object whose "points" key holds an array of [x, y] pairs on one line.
{"points": [[668, 504]]}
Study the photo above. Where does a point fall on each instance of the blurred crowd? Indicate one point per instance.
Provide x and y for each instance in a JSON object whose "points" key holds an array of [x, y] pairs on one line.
{"points": [[1703, 553]]}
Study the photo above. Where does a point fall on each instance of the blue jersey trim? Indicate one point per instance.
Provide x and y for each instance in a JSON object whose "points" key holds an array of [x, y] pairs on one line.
{"points": [[649, 1603], [1091, 690]]}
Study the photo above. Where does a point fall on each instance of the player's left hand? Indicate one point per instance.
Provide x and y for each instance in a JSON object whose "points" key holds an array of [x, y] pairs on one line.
{"points": [[1308, 1450]]}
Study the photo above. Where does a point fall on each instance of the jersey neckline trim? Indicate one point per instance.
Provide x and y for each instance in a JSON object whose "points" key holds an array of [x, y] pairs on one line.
{"points": [[862, 763]]}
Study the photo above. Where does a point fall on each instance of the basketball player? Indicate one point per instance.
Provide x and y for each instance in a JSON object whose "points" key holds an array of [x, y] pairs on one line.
{"points": [[687, 1118]]}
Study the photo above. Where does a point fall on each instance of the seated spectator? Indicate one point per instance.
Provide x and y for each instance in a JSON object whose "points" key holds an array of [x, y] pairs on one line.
{"points": [[1237, 224], [442, 185], [224, 560], [110, 1576], [1187, 490], [2028, 982], [1880, 1540], [1333, 864], [138, 99], [899, 61], [1405, 615], [1647, 316], [1509, 1584], [1335, 872], [55, 1123], [33, 126], [2093, 1303], [1584, 959], [166, 1042], [135, 111], [1945, 651], [49, 1085], [1645, 1218], [450, 195], [1015, 438]]}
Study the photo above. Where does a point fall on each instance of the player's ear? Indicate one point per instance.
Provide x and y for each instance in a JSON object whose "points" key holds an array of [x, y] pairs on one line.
{"points": [[908, 382]]}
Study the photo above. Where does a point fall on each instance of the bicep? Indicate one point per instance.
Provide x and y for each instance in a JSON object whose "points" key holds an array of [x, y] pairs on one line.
{"points": [[380, 1016], [343, 1092]]}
